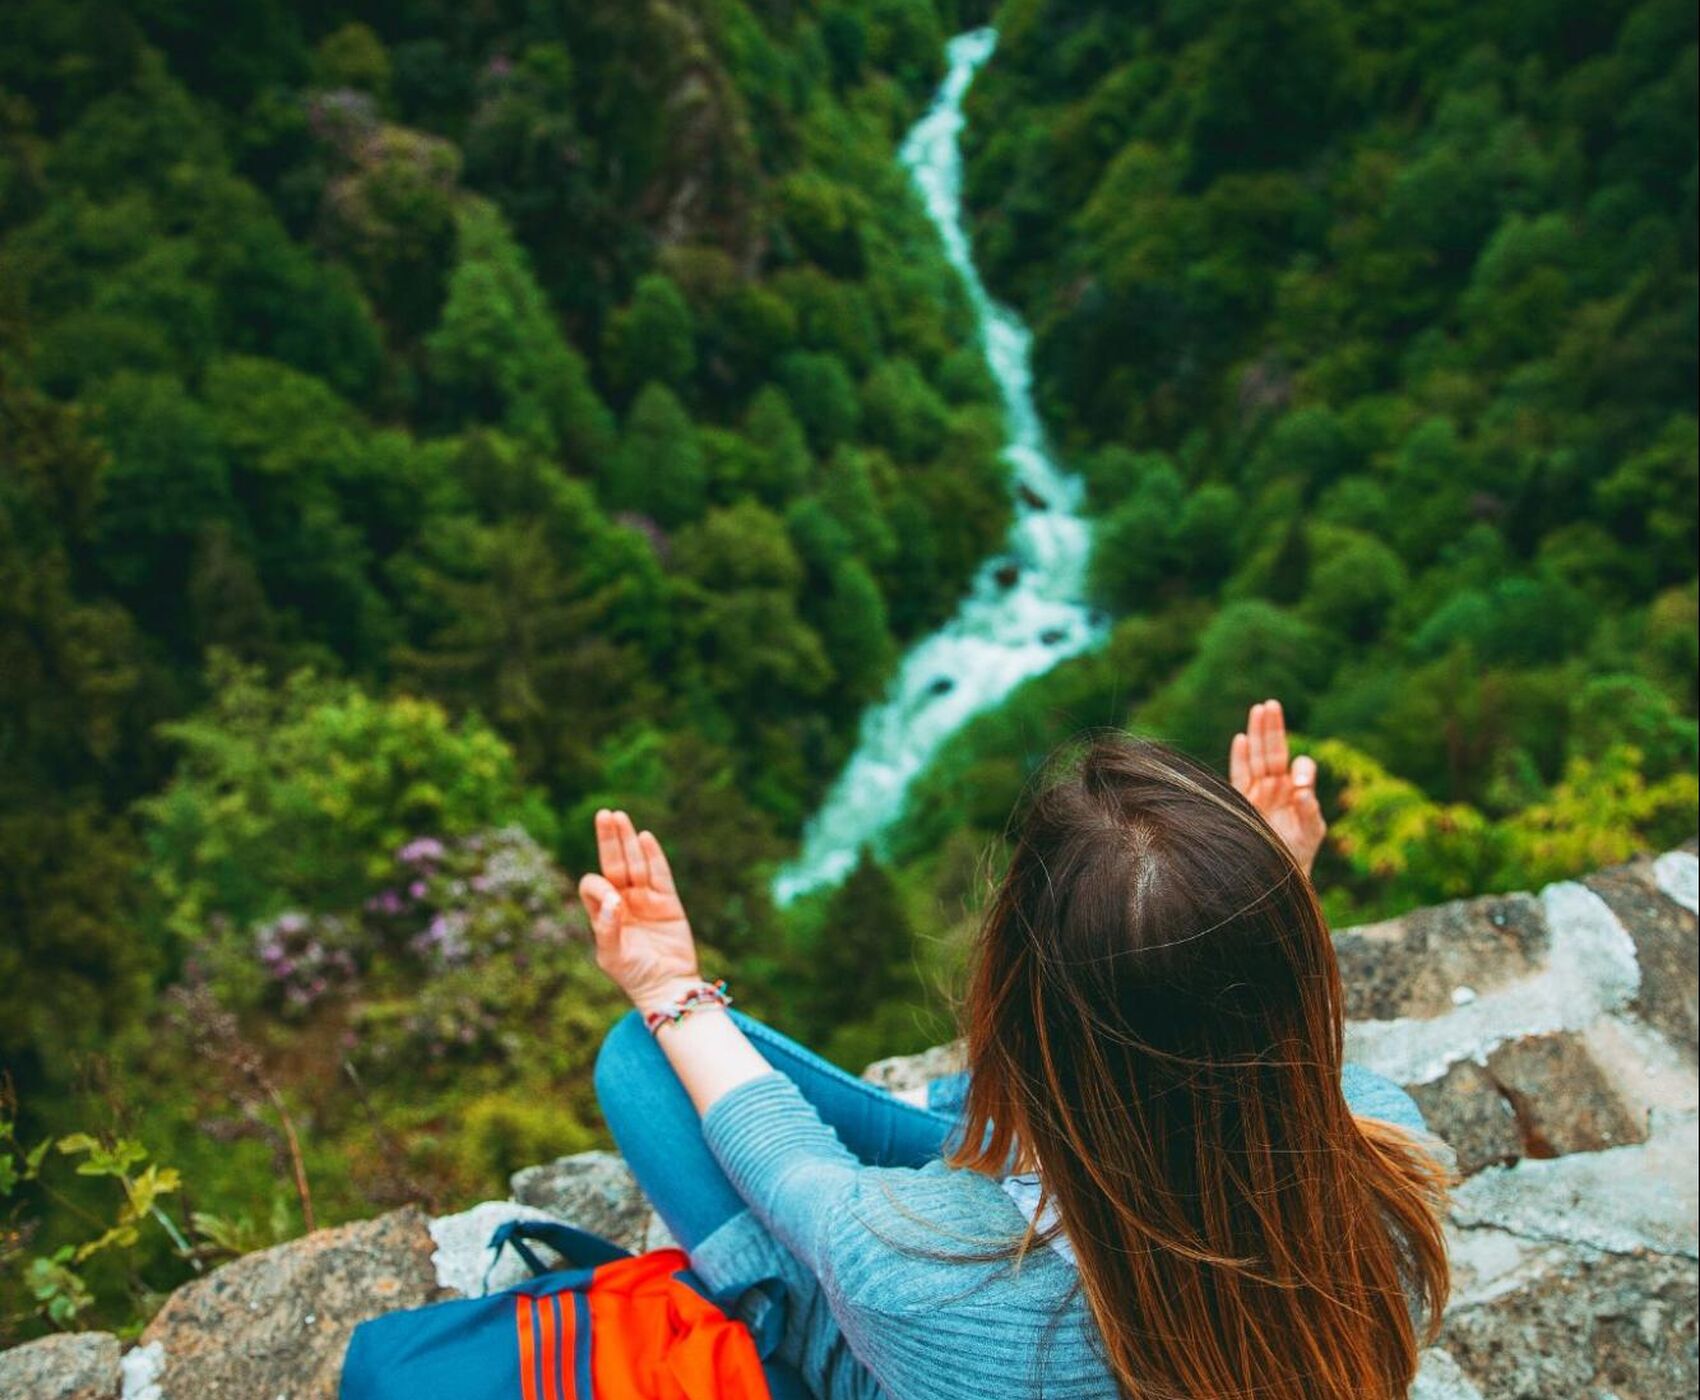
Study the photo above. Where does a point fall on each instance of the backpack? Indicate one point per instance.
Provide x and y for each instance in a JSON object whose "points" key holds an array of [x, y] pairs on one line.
{"points": [[610, 1325]]}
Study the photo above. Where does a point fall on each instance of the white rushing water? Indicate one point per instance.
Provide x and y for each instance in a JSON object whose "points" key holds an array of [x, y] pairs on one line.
{"points": [[1025, 611]]}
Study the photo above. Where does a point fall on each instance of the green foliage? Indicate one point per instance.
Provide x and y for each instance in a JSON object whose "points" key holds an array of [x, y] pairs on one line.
{"points": [[824, 396], [1402, 849], [659, 470], [57, 1281], [353, 57], [428, 429], [1249, 652], [1374, 332], [295, 796], [497, 355], [652, 338]]}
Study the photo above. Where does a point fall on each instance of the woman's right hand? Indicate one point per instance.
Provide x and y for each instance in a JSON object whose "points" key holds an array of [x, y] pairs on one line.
{"points": [[643, 940], [1285, 794]]}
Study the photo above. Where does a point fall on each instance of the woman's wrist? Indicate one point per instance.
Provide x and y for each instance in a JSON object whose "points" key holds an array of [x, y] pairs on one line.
{"points": [[653, 996]]}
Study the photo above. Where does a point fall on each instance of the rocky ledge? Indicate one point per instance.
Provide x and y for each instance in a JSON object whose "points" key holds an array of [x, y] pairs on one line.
{"points": [[1550, 1038]]}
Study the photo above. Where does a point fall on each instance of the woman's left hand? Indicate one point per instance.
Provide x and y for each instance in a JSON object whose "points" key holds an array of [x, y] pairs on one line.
{"points": [[1284, 793], [643, 940]]}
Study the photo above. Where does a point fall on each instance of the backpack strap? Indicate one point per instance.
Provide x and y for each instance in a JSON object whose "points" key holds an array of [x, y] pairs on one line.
{"points": [[579, 1248]]}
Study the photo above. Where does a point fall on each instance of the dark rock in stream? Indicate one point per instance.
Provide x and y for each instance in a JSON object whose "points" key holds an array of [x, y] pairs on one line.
{"points": [[943, 685], [1031, 498], [1005, 575]]}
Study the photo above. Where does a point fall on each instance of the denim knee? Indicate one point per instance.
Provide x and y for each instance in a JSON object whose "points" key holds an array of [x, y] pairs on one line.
{"points": [[624, 1050]]}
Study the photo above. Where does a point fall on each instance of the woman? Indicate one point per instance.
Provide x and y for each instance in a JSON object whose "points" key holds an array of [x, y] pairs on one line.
{"points": [[1155, 1091]]}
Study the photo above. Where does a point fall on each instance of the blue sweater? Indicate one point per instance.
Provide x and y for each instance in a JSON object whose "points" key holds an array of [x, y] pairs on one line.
{"points": [[866, 1319]]}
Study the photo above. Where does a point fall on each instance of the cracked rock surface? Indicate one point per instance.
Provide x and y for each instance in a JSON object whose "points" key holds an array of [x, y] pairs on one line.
{"points": [[1550, 1037]]}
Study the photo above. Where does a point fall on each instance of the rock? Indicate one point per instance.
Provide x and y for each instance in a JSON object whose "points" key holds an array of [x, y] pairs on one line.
{"points": [[1564, 1101], [463, 1261], [1410, 966], [1645, 1197], [1588, 971], [1677, 874], [1031, 498], [1666, 940], [275, 1324], [1439, 1378], [142, 1367], [1006, 575], [597, 1192], [70, 1366], [941, 685], [1468, 1109], [1051, 636], [1593, 1325], [912, 1071]]}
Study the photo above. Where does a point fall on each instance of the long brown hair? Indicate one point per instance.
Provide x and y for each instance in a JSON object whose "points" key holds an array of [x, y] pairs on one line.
{"points": [[1154, 1018]]}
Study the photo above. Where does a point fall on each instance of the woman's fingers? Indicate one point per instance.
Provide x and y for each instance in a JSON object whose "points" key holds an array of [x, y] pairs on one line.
{"points": [[1274, 739], [1304, 773], [637, 864], [1239, 763], [1254, 742], [610, 852], [602, 904], [660, 873]]}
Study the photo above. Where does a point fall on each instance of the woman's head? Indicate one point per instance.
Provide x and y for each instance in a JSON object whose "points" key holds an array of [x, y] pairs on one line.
{"points": [[1155, 1016]]}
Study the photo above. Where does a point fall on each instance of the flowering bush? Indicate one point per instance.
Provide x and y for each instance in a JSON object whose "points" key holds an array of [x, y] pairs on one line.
{"points": [[305, 957], [456, 904]]}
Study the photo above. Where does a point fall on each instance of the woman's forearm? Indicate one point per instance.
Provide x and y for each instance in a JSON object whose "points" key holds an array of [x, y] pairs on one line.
{"points": [[707, 1049]]}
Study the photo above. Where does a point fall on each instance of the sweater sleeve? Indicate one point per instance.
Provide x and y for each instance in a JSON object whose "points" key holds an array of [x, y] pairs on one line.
{"points": [[783, 1160]]}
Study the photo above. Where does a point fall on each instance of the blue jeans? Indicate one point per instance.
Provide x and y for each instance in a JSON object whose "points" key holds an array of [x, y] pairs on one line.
{"points": [[659, 1132]]}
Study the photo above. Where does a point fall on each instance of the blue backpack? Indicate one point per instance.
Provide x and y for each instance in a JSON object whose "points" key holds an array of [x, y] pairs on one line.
{"points": [[610, 1325]]}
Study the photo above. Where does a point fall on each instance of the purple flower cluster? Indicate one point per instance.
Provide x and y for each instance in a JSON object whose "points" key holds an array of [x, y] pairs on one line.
{"points": [[459, 903], [305, 957], [444, 940]]}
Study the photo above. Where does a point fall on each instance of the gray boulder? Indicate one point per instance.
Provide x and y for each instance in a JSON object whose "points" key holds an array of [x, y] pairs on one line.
{"points": [[275, 1324], [71, 1366]]}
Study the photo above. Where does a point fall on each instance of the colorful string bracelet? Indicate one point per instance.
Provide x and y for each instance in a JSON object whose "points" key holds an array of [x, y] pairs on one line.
{"points": [[692, 999]]}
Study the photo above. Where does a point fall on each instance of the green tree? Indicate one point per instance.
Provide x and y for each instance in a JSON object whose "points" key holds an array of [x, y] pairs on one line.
{"points": [[855, 632], [498, 356], [659, 470], [1250, 651], [652, 338], [824, 396], [784, 463], [740, 578], [903, 413], [860, 957]]}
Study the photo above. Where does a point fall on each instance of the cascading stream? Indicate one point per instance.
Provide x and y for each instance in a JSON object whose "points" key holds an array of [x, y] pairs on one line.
{"points": [[1025, 611]]}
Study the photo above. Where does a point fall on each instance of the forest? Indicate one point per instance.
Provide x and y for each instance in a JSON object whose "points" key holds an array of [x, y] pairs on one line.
{"points": [[422, 425]]}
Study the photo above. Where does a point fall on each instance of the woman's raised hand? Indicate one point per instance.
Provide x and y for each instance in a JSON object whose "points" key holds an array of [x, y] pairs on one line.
{"points": [[1284, 793], [643, 940]]}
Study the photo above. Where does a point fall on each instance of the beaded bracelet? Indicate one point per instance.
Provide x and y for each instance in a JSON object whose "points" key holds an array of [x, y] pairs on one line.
{"points": [[703, 994]]}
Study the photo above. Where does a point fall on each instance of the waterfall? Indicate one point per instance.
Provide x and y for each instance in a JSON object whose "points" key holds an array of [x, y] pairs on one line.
{"points": [[1025, 611]]}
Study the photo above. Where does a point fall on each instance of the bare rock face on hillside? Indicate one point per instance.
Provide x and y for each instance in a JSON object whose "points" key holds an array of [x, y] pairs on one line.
{"points": [[1550, 1038]]}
